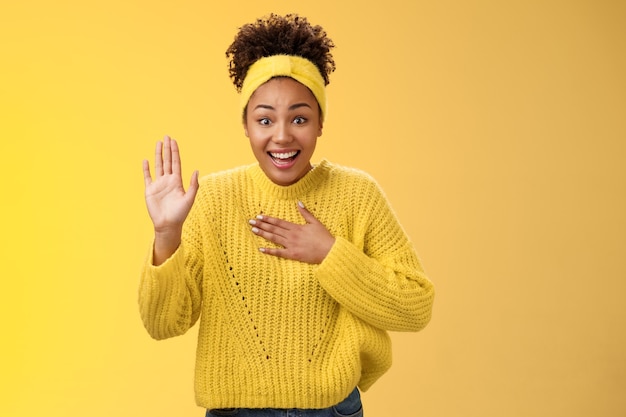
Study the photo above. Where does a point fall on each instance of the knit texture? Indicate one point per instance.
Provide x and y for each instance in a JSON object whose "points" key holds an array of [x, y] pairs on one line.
{"points": [[281, 333]]}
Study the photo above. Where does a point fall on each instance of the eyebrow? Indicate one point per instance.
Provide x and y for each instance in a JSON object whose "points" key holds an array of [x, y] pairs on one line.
{"points": [[292, 107]]}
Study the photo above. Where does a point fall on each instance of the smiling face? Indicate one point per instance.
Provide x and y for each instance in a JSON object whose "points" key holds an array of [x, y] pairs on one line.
{"points": [[283, 123]]}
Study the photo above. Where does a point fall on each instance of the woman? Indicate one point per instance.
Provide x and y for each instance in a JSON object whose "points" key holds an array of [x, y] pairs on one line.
{"points": [[296, 271]]}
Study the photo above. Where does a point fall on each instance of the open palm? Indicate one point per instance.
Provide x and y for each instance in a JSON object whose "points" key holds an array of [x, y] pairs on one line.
{"points": [[167, 201]]}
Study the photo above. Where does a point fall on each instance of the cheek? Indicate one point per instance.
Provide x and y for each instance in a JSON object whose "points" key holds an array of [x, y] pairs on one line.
{"points": [[257, 145], [311, 145]]}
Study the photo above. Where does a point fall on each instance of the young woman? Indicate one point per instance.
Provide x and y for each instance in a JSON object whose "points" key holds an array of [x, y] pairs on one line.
{"points": [[296, 271]]}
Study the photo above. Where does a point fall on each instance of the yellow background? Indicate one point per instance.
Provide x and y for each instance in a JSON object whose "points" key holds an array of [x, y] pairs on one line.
{"points": [[497, 129]]}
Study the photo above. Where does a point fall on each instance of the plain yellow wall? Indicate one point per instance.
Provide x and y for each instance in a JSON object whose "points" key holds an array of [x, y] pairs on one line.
{"points": [[497, 129]]}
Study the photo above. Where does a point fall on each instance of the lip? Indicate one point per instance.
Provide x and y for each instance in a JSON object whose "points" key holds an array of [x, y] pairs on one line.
{"points": [[283, 165]]}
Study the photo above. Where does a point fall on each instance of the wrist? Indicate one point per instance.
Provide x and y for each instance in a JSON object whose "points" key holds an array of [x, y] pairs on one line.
{"points": [[165, 244]]}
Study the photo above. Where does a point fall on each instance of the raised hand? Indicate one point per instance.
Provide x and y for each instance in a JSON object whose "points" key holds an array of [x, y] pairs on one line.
{"points": [[167, 201], [308, 242]]}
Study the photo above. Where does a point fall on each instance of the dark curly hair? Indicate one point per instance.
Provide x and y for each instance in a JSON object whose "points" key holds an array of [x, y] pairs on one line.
{"points": [[276, 35]]}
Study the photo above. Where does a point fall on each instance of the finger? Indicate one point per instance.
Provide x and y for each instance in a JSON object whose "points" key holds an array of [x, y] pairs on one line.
{"points": [[167, 155], [288, 254], [147, 177], [176, 165], [308, 216], [158, 159], [268, 222], [269, 236], [264, 226], [281, 253]]}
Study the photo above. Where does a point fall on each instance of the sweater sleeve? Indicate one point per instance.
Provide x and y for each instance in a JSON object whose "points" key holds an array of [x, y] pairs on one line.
{"points": [[378, 276], [170, 295]]}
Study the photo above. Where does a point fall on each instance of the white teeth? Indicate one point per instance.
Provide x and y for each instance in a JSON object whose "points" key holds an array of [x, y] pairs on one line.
{"points": [[285, 155]]}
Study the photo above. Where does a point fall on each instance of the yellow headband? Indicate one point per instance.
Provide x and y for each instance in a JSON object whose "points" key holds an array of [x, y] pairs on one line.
{"points": [[298, 68]]}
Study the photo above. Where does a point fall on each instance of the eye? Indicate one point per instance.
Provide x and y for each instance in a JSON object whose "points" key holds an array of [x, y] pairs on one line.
{"points": [[299, 120], [265, 121]]}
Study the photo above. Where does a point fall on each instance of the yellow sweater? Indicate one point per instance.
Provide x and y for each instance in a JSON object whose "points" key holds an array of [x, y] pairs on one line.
{"points": [[281, 333]]}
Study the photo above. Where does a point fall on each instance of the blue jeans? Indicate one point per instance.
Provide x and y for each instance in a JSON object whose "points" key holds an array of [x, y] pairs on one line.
{"points": [[350, 407]]}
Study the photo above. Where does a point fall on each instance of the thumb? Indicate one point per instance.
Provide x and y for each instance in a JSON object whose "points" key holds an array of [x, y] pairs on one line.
{"points": [[193, 186]]}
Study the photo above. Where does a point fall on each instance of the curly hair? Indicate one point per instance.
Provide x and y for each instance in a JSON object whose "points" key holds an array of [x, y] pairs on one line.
{"points": [[277, 35]]}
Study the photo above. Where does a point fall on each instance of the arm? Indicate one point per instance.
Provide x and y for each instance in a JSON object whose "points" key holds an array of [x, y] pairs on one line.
{"points": [[382, 282], [169, 295], [379, 279]]}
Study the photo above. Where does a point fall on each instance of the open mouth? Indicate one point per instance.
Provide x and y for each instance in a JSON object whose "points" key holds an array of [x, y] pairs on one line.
{"points": [[283, 158]]}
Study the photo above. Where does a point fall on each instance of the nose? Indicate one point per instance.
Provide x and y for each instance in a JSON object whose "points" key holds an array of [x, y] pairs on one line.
{"points": [[282, 134]]}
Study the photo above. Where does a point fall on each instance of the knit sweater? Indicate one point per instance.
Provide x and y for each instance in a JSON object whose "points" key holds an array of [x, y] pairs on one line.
{"points": [[279, 333]]}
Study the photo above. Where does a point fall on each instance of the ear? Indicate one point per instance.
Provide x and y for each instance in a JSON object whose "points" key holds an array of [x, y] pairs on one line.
{"points": [[245, 128], [321, 128]]}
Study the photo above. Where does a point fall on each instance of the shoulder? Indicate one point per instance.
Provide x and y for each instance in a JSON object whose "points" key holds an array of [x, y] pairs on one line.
{"points": [[217, 188], [227, 175], [353, 187], [350, 176], [343, 171]]}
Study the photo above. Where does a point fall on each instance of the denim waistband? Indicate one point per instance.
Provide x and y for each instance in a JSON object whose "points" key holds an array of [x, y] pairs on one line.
{"points": [[349, 407]]}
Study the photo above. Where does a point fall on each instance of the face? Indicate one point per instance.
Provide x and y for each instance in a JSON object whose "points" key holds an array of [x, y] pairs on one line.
{"points": [[283, 124]]}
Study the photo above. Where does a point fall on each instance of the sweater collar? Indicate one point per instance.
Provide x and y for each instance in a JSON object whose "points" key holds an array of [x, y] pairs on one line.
{"points": [[290, 192]]}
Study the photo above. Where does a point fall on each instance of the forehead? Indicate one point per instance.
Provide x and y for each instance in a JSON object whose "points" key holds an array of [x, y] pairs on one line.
{"points": [[282, 90]]}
